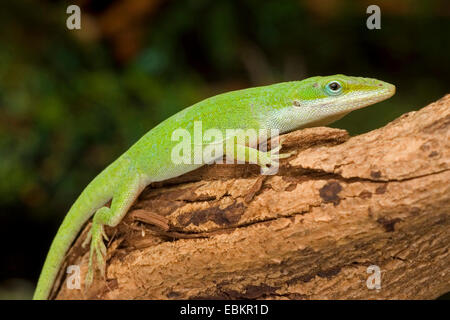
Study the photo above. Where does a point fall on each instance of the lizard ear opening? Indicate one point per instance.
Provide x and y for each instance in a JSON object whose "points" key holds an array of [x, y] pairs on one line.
{"points": [[296, 103]]}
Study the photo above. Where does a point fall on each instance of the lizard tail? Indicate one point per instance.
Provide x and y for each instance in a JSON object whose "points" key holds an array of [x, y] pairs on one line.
{"points": [[80, 212]]}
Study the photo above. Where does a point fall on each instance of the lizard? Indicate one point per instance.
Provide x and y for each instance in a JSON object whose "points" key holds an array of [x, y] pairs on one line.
{"points": [[282, 107]]}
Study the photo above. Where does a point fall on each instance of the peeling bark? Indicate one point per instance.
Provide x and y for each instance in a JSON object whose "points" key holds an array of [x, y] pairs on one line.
{"points": [[336, 207]]}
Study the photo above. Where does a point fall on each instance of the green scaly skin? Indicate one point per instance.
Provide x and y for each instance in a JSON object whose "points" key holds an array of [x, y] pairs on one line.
{"points": [[284, 106]]}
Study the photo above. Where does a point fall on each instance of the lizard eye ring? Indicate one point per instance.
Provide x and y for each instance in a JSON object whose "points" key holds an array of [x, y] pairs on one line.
{"points": [[333, 88]]}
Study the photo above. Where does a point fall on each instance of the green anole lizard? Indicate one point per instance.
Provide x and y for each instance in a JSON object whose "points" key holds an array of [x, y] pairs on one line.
{"points": [[283, 107]]}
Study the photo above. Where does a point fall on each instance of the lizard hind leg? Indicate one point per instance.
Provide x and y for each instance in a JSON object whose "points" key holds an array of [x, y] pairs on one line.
{"points": [[123, 197]]}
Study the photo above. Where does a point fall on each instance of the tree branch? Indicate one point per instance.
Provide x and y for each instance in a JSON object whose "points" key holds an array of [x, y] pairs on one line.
{"points": [[336, 207]]}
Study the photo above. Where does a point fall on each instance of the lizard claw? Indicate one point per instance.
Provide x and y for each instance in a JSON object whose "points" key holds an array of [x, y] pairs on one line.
{"points": [[88, 239], [285, 155], [274, 153]]}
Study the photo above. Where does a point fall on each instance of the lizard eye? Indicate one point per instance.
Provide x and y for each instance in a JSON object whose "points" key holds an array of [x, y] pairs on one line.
{"points": [[333, 88]]}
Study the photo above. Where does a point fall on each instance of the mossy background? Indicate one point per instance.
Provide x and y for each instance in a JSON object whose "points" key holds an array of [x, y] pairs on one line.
{"points": [[71, 101]]}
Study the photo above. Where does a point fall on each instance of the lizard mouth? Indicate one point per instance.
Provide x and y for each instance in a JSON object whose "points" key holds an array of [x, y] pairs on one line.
{"points": [[364, 99]]}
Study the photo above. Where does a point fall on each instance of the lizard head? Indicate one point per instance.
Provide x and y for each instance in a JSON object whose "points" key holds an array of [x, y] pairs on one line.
{"points": [[327, 99], [319, 101]]}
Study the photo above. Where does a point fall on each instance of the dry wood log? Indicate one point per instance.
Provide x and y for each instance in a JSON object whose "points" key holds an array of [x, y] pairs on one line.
{"points": [[336, 207]]}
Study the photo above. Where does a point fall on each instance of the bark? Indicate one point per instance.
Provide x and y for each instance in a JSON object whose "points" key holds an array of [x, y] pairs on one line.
{"points": [[336, 207]]}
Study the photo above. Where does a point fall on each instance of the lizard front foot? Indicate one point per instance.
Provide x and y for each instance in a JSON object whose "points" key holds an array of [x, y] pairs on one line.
{"points": [[269, 161]]}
